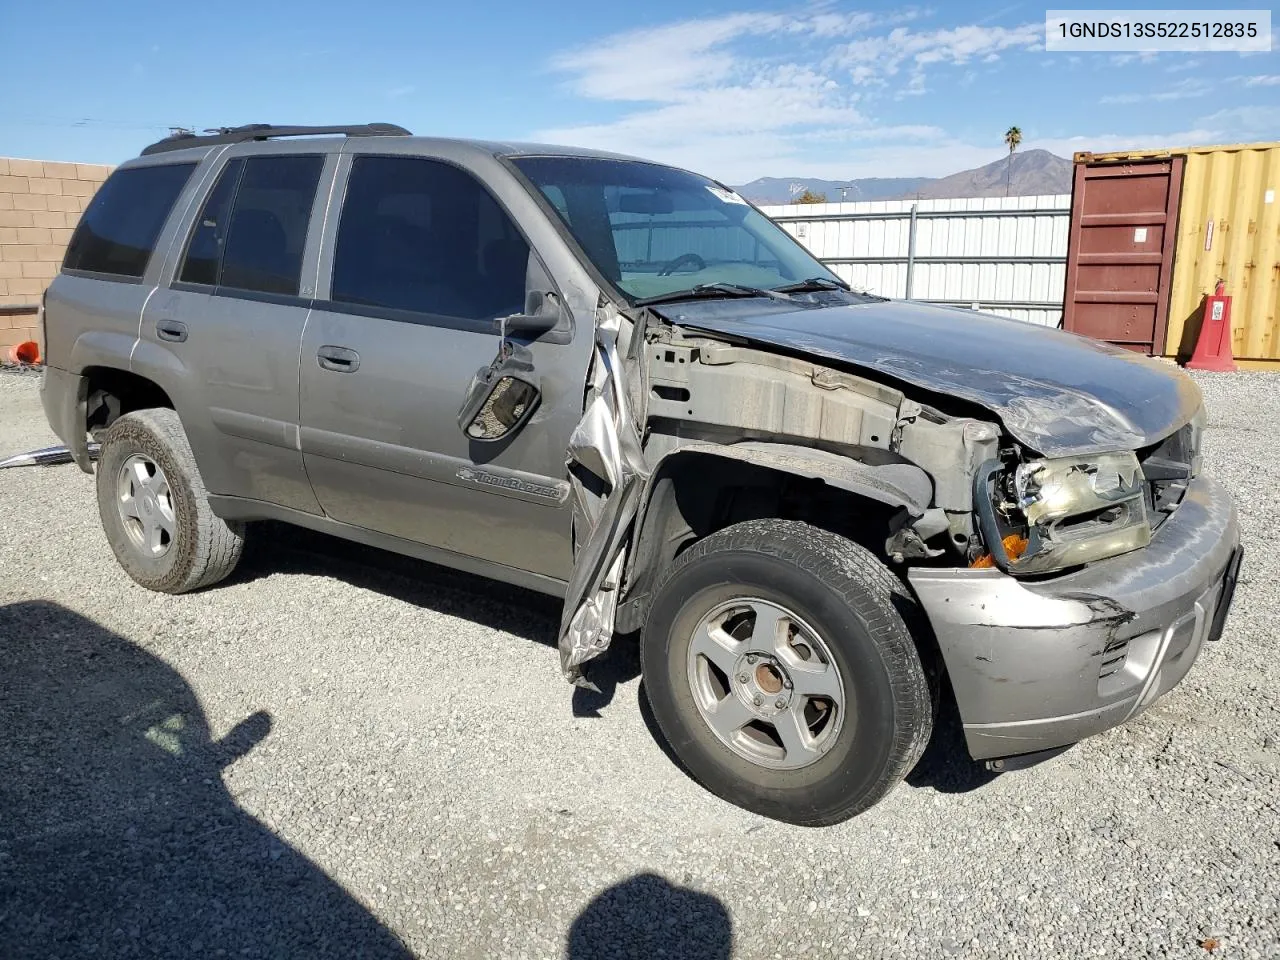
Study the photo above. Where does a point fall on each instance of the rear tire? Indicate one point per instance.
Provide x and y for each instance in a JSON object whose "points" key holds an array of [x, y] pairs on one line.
{"points": [[855, 710], [155, 509]]}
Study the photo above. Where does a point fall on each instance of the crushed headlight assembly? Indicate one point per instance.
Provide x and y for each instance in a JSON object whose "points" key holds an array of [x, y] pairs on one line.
{"points": [[1071, 510]]}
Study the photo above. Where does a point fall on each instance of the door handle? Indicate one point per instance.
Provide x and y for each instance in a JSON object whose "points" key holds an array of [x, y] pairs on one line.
{"points": [[338, 359], [172, 330]]}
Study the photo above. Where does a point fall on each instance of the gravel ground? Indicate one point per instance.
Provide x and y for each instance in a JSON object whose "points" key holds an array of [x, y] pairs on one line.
{"points": [[343, 753]]}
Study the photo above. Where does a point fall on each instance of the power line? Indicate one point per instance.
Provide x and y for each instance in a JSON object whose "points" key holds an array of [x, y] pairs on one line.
{"points": [[88, 123]]}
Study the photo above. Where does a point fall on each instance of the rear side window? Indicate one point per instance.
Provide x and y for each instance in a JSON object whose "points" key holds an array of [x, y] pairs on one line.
{"points": [[425, 237], [209, 236], [118, 231], [252, 229]]}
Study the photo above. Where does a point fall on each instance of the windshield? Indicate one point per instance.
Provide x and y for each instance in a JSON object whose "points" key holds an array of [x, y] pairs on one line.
{"points": [[653, 230]]}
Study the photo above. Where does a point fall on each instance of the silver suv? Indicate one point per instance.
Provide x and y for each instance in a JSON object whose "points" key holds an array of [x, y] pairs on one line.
{"points": [[619, 383]]}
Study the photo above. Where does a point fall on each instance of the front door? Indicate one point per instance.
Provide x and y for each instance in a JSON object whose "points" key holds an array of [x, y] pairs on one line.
{"points": [[424, 259]]}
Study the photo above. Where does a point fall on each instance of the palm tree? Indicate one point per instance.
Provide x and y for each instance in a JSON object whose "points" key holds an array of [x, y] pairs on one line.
{"points": [[1012, 137]]}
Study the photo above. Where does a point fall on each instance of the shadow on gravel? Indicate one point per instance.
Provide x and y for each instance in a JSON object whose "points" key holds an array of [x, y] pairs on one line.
{"points": [[946, 765], [117, 836], [646, 916], [280, 548], [619, 665]]}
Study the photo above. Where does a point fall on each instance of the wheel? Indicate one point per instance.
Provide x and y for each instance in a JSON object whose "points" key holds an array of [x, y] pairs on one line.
{"points": [[154, 507], [779, 666]]}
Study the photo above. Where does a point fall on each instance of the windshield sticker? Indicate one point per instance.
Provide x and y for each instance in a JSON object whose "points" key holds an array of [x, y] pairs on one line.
{"points": [[728, 196]]}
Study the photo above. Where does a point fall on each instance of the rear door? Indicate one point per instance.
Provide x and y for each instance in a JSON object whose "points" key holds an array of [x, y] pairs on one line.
{"points": [[423, 258], [232, 316]]}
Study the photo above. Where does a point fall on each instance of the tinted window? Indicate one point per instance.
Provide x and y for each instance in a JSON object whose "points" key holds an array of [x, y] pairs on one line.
{"points": [[209, 235], [424, 236], [268, 224], [119, 229]]}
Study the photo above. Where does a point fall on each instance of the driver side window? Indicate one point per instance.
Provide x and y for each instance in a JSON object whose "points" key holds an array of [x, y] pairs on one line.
{"points": [[425, 237]]}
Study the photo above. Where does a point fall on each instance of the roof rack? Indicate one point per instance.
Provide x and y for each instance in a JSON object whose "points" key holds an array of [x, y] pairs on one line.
{"points": [[184, 139]]}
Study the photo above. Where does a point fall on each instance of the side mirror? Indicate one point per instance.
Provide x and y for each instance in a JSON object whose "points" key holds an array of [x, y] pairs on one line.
{"points": [[243, 737], [502, 396], [537, 319]]}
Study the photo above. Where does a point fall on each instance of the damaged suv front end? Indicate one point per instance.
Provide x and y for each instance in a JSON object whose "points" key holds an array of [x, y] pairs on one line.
{"points": [[1107, 574], [1040, 494], [1088, 558]]}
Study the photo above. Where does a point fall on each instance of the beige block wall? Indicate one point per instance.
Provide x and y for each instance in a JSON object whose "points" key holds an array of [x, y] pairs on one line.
{"points": [[40, 204]]}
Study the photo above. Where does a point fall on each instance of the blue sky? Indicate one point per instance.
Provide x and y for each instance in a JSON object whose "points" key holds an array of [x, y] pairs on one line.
{"points": [[732, 89]]}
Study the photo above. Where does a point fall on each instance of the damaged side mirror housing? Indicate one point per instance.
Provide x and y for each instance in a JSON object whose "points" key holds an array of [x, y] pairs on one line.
{"points": [[501, 397], [540, 315]]}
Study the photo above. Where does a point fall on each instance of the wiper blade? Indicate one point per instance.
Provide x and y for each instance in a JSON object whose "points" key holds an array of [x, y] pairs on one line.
{"points": [[717, 289], [812, 284]]}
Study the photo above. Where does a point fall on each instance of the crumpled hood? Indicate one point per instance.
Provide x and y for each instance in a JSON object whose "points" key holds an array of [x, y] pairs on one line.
{"points": [[1058, 393]]}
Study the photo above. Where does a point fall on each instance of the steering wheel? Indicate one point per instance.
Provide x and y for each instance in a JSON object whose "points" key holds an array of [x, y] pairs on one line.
{"points": [[671, 266]]}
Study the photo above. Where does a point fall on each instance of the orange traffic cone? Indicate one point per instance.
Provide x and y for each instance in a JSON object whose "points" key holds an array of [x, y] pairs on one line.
{"points": [[26, 352], [1213, 348]]}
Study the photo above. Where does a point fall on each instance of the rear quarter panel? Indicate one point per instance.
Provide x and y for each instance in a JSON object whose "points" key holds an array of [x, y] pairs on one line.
{"points": [[90, 322]]}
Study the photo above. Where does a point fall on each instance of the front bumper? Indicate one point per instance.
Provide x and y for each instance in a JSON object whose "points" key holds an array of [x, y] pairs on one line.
{"points": [[1038, 665]]}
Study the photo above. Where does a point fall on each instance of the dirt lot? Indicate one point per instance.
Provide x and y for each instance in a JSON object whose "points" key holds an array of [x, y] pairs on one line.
{"points": [[341, 753]]}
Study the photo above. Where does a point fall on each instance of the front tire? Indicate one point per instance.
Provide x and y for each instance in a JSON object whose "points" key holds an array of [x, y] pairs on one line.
{"points": [[780, 668], [155, 509]]}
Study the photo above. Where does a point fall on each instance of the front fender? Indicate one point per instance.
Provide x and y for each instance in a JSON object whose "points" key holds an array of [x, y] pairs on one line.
{"points": [[899, 485], [895, 484]]}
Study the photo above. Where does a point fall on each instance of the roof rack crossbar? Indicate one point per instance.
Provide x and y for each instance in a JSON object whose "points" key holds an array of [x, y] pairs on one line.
{"points": [[183, 140]]}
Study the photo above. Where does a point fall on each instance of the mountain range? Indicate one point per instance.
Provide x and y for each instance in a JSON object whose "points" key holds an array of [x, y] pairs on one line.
{"points": [[1032, 172]]}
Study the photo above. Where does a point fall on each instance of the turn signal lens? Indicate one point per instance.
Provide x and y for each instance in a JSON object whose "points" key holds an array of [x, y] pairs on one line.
{"points": [[1014, 546]]}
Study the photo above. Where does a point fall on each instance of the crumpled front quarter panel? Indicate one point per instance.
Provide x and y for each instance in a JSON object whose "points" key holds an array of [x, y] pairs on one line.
{"points": [[1058, 393]]}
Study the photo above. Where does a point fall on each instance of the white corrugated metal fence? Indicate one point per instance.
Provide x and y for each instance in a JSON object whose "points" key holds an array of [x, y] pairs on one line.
{"points": [[1004, 255]]}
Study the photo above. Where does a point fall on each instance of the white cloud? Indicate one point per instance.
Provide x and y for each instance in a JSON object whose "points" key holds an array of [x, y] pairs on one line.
{"points": [[789, 98], [915, 87], [1235, 124], [396, 93], [717, 94], [1271, 80], [1182, 90], [886, 55], [1275, 45], [702, 96], [713, 92], [1108, 142], [661, 63], [1145, 56]]}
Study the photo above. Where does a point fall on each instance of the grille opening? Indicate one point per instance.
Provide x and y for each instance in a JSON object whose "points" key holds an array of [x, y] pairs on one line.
{"points": [[1113, 658]]}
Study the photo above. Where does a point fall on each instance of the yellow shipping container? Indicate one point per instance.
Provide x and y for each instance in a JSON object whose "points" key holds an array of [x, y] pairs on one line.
{"points": [[1229, 230]]}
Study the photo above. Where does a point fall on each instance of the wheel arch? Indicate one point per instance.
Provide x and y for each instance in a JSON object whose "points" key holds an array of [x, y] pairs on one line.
{"points": [[700, 488], [111, 392]]}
